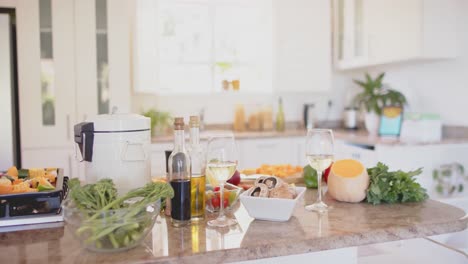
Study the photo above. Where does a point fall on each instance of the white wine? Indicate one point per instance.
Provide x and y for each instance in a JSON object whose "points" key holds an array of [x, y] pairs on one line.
{"points": [[222, 171], [320, 162], [197, 159]]}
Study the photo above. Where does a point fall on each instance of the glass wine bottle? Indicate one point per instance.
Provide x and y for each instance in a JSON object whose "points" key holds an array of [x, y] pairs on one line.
{"points": [[280, 122], [179, 177], [198, 171]]}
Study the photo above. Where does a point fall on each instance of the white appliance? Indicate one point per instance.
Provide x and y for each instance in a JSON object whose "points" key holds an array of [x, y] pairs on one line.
{"points": [[116, 146], [421, 127], [350, 118]]}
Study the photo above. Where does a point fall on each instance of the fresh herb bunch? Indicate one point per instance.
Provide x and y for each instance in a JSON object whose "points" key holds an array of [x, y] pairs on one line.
{"points": [[104, 226], [393, 186], [93, 196]]}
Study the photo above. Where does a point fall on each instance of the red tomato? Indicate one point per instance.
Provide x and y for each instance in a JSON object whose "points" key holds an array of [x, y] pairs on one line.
{"points": [[327, 171], [215, 202]]}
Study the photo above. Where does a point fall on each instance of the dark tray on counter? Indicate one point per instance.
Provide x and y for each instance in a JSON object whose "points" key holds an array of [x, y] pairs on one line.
{"points": [[35, 203]]}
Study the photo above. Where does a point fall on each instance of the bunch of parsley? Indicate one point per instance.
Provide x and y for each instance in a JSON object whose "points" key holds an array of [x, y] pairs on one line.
{"points": [[393, 186]]}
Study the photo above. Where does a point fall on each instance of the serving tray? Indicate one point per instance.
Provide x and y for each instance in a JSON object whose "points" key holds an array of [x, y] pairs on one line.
{"points": [[33, 204]]}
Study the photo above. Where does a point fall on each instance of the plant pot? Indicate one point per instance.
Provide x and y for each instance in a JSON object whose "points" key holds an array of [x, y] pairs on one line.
{"points": [[371, 121]]}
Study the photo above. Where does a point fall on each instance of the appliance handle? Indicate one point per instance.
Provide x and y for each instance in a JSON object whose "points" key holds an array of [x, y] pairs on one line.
{"points": [[123, 155], [84, 148], [76, 152]]}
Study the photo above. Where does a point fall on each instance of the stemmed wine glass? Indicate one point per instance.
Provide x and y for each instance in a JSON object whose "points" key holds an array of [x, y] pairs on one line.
{"points": [[221, 157], [319, 153]]}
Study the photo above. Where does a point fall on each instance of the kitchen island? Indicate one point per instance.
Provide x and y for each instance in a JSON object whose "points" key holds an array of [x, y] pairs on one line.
{"points": [[345, 225]]}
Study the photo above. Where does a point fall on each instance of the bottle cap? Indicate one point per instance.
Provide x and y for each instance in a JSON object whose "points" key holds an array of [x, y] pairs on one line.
{"points": [[179, 123], [194, 121]]}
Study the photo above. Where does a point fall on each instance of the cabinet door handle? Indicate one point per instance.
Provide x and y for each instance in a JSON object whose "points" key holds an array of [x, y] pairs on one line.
{"points": [[68, 126]]}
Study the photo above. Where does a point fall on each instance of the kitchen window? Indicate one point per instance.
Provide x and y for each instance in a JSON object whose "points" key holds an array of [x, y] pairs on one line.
{"points": [[203, 46]]}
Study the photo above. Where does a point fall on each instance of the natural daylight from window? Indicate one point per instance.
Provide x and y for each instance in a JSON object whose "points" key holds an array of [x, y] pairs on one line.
{"points": [[204, 46]]}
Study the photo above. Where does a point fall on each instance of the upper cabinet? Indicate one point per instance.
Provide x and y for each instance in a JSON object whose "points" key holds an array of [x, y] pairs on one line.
{"points": [[373, 32], [73, 63], [45, 72], [102, 53], [302, 45]]}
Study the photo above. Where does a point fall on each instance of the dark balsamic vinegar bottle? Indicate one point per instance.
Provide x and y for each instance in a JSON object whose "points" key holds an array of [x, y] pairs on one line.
{"points": [[180, 177]]}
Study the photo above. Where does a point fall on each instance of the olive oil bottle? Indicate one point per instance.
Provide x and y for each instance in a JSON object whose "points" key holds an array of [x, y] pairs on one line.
{"points": [[280, 122], [197, 189]]}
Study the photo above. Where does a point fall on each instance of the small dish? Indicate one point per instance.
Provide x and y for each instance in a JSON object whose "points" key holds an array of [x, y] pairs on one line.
{"points": [[271, 209], [212, 197]]}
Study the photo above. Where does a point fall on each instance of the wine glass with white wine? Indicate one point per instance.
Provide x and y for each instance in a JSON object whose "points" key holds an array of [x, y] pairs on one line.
{"points": [[221, 164], [319, 153]]}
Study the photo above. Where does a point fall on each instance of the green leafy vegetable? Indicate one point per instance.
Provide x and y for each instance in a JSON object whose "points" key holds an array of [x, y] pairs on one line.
{"points": [[393, 186], [93, 196], [106, 226], [310, 177]]}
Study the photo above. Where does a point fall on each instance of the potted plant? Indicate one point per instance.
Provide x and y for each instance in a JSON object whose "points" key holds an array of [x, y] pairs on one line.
{"points": [[373, 98], [160, 121]]}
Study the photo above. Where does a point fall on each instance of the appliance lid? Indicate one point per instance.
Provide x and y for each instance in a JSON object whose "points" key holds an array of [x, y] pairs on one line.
{"points": [[120, 123]]}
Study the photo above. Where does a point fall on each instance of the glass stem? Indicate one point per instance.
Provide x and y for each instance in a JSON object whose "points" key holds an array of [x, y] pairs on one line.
{"points": [[221, 201], [319, 186]]}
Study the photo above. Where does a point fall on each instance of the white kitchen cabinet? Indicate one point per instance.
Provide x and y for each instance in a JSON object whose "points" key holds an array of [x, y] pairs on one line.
{"points": [[52, 158], [428, 157], [372, 32], [60, 45], [158, 158], [365, 154], [54, 66], [350, 44], [302, 45], [252, 153], [102, 52], [418, 250], [255, 152]]}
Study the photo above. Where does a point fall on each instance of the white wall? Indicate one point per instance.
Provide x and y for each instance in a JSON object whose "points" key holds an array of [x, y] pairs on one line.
{"points": [[431, 86], [219, 108], [434, 86], [8, 3]]}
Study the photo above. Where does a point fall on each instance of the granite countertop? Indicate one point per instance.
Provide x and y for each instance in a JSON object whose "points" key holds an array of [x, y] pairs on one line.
{"points": [[360, 136], [345, 225]]}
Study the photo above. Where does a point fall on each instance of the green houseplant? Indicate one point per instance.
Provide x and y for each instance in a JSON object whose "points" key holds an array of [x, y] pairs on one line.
{"points": [[374, 97], [160, 121]]}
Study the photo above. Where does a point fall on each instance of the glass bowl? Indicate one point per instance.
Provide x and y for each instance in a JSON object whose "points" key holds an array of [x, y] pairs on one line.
{"points": [[212, 197], [110, 230]]}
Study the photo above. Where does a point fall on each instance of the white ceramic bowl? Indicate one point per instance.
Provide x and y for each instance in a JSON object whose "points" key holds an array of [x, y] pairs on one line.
{"points": [[271, 209]]}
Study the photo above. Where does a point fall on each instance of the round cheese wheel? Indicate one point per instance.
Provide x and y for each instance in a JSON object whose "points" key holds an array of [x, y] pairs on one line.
{"points": [[348, 181]]}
